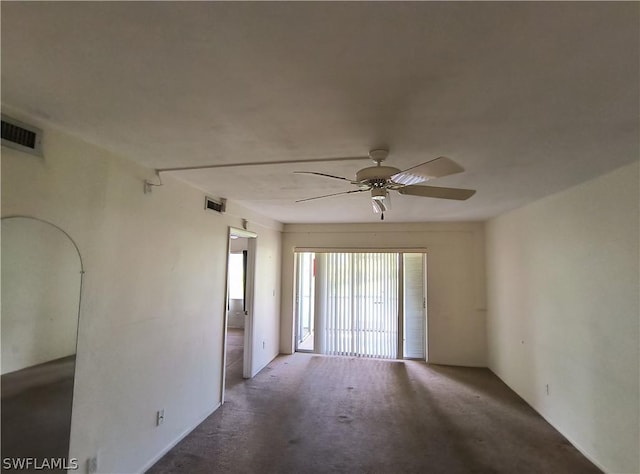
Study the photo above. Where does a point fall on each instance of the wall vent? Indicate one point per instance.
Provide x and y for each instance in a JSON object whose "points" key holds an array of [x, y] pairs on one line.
{"points": [[20, 136], [219, 206]]}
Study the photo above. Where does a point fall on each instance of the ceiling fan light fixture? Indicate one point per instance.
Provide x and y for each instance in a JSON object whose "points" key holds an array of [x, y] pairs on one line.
{"points": [[380, 200], [378, 206], [379, 194]]}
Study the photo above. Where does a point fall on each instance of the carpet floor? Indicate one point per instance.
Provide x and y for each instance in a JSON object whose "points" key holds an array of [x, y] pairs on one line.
{"points": [[235, 353], [36, 412], [318, 414]]}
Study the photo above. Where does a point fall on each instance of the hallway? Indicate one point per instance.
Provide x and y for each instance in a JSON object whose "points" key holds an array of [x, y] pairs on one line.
{"points": [[235, 349]]}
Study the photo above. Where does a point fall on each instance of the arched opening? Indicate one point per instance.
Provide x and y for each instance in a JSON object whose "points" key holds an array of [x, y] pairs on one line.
{"points": [[41, 289]]}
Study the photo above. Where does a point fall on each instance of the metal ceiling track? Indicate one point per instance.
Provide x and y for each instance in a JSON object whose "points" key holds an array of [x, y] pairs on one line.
{"points": [[260, 163]]}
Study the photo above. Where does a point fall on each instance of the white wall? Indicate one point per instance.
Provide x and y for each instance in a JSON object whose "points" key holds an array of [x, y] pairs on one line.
{"points": [[41, 278], [266, 307], [153, 302], [563, 286], [455, 279]]}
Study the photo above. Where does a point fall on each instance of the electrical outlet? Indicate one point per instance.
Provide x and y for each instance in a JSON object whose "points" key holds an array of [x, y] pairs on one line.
{"points": [[159, 417], [547, 389], [92, 464]]}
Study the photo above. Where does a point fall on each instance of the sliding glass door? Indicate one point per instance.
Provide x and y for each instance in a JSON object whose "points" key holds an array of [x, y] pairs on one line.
{"points": [[357, 304]]}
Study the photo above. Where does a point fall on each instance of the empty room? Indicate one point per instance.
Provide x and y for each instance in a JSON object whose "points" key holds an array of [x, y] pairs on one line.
{"points": [[283, 237]]}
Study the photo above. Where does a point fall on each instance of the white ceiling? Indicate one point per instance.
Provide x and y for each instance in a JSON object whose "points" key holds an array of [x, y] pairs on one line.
{"points": [[530, 98]]}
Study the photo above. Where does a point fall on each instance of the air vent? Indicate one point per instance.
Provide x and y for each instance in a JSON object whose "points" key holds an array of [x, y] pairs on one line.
{"points": [[21, 136], [216, 206]]}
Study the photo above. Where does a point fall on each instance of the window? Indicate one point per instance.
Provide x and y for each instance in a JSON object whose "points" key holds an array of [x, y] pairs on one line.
{"points": [[236, 276]]}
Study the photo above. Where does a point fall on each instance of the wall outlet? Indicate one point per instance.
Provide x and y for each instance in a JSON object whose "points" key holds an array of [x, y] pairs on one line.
{"points": [[159, 417], [547, 389], [92, 464]]}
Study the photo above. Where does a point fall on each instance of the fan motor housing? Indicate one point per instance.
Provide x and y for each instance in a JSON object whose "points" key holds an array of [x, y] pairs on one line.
{"points": [[376, 173]]}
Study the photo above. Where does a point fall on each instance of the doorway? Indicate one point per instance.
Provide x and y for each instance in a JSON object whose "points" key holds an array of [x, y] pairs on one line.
{"points": [[363, 304], [236, 309], [238, 320]]}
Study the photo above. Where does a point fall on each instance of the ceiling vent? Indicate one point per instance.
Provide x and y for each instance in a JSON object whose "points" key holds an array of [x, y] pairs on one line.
{"points": [[20, 136], [218, 206]]}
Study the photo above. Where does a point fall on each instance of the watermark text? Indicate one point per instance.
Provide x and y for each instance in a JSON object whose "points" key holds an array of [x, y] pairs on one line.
{"points": [[39, 464]]}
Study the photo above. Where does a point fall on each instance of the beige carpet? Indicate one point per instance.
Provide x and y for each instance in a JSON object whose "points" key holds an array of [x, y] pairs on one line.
{"points": [[36, 413], [235, 353], [315, 414]]}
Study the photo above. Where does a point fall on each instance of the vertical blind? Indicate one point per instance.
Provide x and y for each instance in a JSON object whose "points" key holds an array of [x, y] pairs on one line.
{"points": [[359, 302], [414, 306]]}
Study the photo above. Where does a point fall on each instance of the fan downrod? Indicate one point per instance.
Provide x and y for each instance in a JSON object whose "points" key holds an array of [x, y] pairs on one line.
{"points": [[378, 155]]}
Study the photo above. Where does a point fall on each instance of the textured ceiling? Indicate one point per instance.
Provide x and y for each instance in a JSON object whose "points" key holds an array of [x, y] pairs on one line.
{"points": [[529, 97]]}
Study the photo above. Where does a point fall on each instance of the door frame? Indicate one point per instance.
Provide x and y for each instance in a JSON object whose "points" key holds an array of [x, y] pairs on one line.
{"points": [[247, 356], [296, 305]]}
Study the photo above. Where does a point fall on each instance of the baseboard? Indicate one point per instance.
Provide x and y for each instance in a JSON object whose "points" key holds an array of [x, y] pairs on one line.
{"points": [[571, 440], [179, 438], [574, 444], [256, 372]]}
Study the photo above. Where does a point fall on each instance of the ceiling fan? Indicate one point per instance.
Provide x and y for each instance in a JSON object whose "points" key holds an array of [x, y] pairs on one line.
{"points": [[379, 180]]}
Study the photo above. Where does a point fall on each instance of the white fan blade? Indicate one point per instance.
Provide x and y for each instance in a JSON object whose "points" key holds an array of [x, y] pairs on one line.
{"points": [[434, 192], [437, 168], [334, 194], [324, 174]]}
